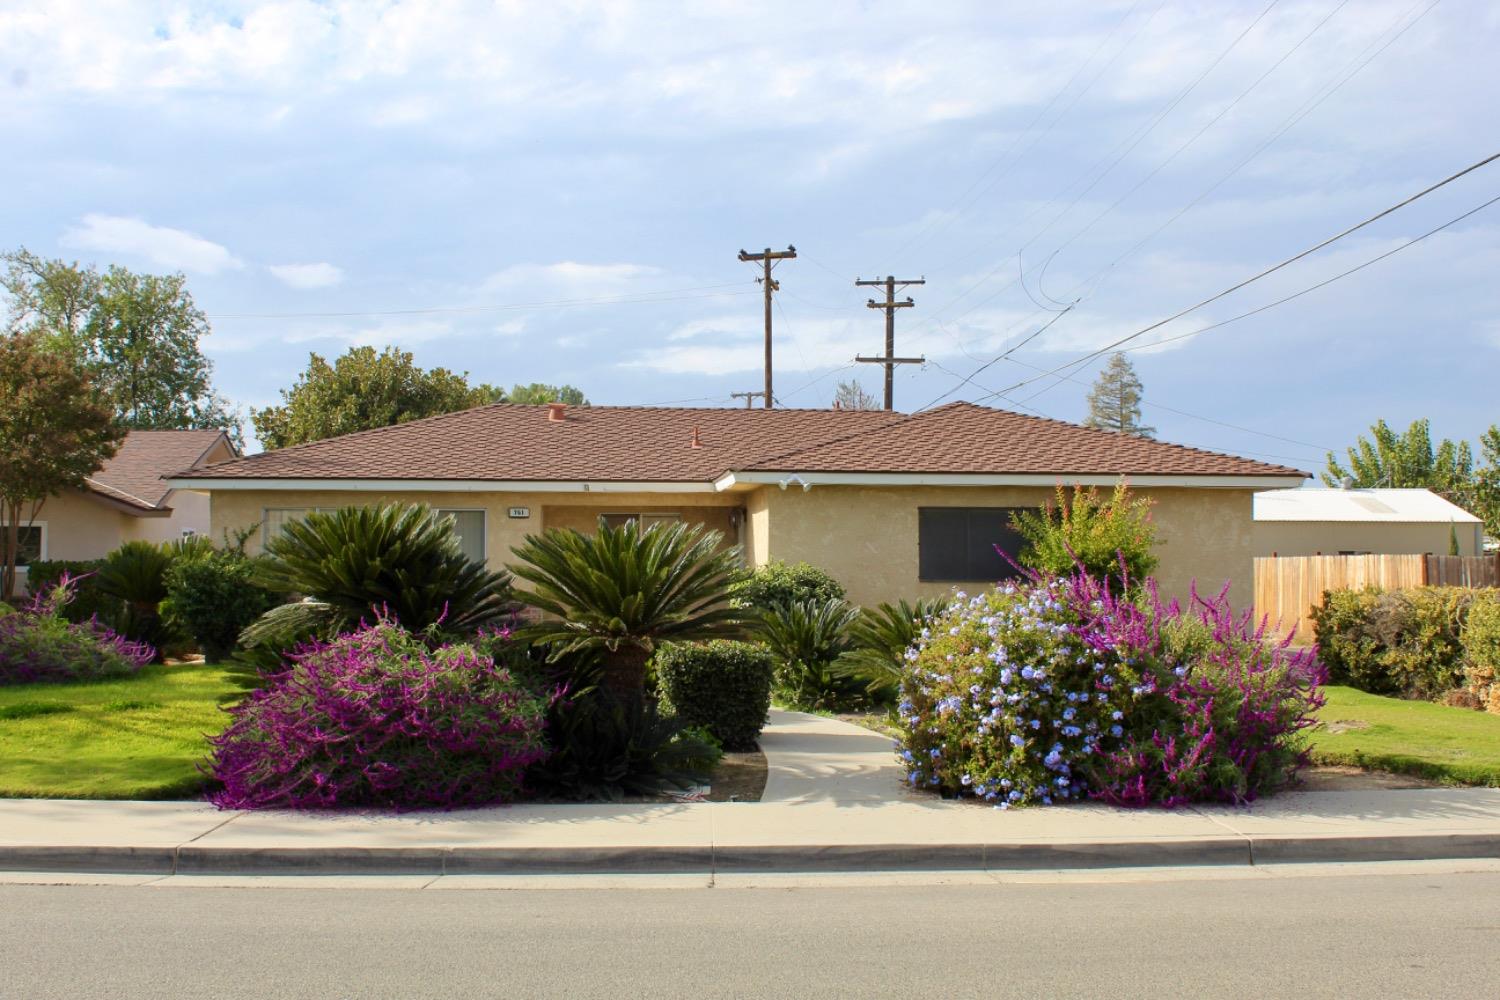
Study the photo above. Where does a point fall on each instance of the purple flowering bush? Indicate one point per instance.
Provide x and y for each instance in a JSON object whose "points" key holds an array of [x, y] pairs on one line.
{"points": [[376, 717], [38, 645], [1056, 689]]}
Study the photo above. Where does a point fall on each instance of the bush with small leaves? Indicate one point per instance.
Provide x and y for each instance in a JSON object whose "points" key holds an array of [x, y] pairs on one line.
{"points": [[722, 686], [778, 584]]}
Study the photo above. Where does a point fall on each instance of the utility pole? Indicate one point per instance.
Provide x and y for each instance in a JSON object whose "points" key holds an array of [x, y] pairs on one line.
{"points": [[890, 305], [767, 258], [748, 397]]}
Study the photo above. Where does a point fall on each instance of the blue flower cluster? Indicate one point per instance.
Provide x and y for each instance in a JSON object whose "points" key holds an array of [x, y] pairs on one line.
{"points": [[1005, 698]]}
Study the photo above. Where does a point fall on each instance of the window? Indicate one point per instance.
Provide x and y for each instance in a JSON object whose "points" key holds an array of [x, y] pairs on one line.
{"points": [[646, 519], [277, 518], [468, 525], [957, 544], [33, 547]]}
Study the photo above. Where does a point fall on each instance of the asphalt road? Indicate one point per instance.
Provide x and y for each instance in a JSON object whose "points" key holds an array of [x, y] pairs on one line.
{"points": [[1373, 935]]}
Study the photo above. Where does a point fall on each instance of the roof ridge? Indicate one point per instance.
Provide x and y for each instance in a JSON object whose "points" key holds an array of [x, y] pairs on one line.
{"points": [[900, 418]]}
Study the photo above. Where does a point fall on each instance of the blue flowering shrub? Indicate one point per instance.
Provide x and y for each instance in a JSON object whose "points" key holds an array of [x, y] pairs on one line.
{"points": [[1054, 689]]}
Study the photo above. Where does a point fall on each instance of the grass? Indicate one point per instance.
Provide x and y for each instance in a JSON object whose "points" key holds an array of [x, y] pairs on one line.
{"points": [[1452, 745], [138, 738]]}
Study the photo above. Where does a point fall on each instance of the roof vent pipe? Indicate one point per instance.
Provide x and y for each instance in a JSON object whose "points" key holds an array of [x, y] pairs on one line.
{"points": [[556, 412], [697, 441]]}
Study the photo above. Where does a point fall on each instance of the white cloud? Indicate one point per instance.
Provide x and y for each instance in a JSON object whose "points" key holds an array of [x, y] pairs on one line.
{"points": [[381, 334], [170, 248], [319, 275]]}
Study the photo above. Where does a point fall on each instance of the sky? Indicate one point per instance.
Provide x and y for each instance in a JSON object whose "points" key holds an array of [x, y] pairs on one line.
{"points": [[557, 192]]}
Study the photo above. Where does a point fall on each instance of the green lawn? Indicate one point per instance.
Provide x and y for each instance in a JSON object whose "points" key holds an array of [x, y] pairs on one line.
{"points": [[140, 738], [1452, 745]]}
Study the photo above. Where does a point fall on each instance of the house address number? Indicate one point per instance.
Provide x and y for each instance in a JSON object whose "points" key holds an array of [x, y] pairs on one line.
{"points": [[520, 512]]}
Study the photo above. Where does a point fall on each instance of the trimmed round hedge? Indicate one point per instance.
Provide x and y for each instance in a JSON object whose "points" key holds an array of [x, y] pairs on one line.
{"points": [[723, 686]]}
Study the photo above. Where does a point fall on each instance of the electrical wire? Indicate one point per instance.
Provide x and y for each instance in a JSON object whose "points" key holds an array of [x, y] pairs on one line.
{"points": [[1252, 312]]}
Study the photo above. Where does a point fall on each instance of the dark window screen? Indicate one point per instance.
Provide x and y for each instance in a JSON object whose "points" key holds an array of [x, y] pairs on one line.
{"points": [[957, 544]]}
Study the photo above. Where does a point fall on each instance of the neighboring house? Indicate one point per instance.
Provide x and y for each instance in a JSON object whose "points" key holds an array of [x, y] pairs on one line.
{"points": [[1334, 522], [893, 505], [127, 499]]}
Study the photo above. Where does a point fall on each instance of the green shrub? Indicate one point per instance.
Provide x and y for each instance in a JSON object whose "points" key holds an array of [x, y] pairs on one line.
{"points": [[213, 598], [881, 638], [1481, 639], [722, 686], [777, 584], [396, 560], [606, 747], [806, 638], [88, 600], [1085, 530], [38, 645], [1397, 642], [6, 609]]}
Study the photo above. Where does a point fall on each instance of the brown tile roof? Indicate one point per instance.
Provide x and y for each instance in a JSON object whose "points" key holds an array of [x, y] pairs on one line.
{"points": [[654, 444], [967, 438], [135, 475]]}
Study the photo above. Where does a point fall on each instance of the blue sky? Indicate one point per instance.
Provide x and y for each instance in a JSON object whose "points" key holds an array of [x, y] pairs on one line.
{"points": [[442, 175]]}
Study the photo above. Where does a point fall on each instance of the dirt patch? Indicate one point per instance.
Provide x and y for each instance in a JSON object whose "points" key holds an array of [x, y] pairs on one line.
{"points": [[1337, 778], [1345, 726], [877, 722], [740, 777]]}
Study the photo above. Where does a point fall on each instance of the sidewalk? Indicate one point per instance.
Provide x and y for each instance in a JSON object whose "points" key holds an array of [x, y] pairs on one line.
{"points": [[834, 802]]}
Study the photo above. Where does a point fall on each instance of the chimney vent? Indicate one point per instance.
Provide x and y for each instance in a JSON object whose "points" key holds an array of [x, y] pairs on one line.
{"points": [[556, 412], [697, 441]]}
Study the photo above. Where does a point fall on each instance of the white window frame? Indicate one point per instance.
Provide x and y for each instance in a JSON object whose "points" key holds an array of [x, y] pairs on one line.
{"points": [[639, 516], [484, 525]]}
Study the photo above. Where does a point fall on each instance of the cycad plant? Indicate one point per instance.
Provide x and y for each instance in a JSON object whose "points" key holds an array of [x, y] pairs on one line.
{"points": [[806, 637], [399, 561], [625, 589], [135, 575], [880, 637]]}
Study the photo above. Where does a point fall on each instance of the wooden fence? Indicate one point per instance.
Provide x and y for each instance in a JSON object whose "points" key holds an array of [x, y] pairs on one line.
{"points": [[1287, 589]]}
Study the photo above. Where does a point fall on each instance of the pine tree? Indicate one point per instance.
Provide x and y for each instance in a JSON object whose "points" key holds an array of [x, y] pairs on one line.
{"points": [[1115, 399], [852, 396]]}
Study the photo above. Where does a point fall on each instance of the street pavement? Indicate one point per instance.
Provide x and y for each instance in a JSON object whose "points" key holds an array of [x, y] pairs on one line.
{"points": [[1303, 931]]}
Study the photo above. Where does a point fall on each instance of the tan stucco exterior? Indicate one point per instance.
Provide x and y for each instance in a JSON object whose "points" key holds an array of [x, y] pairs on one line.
{"points": [[865, 536], [1331, 538]]}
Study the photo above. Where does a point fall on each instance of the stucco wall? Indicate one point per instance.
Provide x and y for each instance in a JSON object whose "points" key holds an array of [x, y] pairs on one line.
{"points": [[1329, 538], [79, 528], [235, 509], [867, 536], [864, 536]]}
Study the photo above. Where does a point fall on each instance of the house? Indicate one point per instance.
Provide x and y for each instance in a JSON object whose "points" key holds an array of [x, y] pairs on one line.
{"points": [[893, 505], [128, 499], [1333, 522]]}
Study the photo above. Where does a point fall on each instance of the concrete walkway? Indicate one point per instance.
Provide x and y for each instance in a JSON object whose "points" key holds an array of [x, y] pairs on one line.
{"points": [[834, 802]]}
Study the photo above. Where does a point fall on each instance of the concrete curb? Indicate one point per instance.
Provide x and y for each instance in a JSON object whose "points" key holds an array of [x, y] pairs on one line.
{"points": [[195, 859]]}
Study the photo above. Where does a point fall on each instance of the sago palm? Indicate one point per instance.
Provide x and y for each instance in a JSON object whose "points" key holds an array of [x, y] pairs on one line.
{"points": [[392, 559], [625, 589], [806, 637], [880, 638]]}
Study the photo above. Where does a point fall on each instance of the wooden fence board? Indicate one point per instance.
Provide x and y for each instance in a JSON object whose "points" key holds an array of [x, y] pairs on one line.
{"points": [[1288, 589]]}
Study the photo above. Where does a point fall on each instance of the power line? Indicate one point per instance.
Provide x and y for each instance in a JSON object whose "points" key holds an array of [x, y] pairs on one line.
{"points": [[648, 297], [981, 185], [1252, 312], [1253, 278]]}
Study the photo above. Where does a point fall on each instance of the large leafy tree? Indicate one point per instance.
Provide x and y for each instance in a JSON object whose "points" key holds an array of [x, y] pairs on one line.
{"points": [[56, 428], [1404, 460], [1486, 493], [1115, 399], [540, 392], [138, 335], [361, 390]]}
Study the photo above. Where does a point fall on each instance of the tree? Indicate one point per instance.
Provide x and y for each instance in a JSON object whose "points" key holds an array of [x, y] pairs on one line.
{"points": [[1486, 493], [1115, 399], [1406, 461], [851, 395], [56, 428], [540, 392], [362, 390], [137, 334]]}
